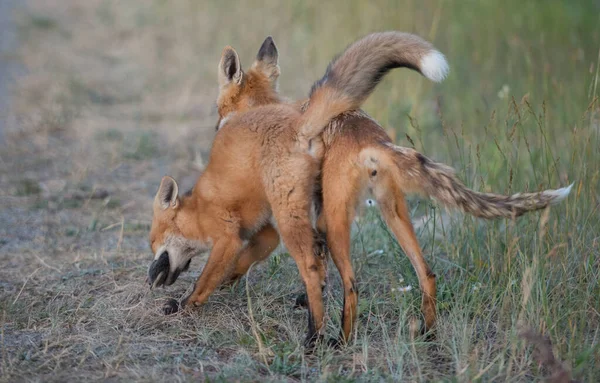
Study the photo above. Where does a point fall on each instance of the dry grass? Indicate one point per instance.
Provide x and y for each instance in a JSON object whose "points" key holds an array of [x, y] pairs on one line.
{"points": [[115, 95]]}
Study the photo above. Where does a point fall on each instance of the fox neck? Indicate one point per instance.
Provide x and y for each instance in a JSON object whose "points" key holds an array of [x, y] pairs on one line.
{"points": [[191, 219], [261, 90]]}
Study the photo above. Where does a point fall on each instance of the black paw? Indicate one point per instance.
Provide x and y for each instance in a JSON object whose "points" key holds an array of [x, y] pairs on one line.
{"points": [[310, 342], [301, 302], [171, 307], [428, 334], [336, 343]]}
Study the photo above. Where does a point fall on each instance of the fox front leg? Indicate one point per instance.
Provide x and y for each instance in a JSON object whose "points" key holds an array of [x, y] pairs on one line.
{"points": [[219, 265]]}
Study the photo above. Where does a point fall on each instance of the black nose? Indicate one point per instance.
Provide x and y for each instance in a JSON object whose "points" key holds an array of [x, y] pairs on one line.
{"points": [[159, 270]]}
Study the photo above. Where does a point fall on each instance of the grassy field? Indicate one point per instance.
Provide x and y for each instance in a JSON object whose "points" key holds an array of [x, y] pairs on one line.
{"points": [[117, 94]]}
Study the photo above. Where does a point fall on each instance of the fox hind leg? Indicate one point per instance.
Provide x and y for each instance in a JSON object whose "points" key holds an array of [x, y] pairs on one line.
{"points": [[290, 197], [298, 238], [396, 215], [340, 194], [321, 252], [338, 240]]}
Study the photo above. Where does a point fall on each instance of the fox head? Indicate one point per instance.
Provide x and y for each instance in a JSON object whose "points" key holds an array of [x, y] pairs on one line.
{"points": [[175, 234], [240, 91]]}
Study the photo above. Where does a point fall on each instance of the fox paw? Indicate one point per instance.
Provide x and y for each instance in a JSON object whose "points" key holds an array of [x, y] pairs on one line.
{"points": [[171, 306], [301, 301], [336, 343], [311, 341]]}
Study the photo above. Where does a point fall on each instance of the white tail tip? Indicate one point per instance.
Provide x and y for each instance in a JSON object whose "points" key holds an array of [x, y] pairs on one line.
{"points": [[434, 66], [560, 194]]}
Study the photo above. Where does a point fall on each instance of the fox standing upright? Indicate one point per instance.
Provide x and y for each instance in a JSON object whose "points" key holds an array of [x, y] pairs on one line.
{"points": [[359, 158], [266, 158]]}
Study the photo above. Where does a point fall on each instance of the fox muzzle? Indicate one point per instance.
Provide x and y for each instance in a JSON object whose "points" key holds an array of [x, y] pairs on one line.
{"points": [[159, 272]]}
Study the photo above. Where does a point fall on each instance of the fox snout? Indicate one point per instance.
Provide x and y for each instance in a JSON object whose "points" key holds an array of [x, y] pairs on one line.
{"points": [[159, 272]]}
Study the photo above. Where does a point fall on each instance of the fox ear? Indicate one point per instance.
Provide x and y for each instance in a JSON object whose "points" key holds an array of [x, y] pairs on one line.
{"points": [[268, 53], [168, 193], [230, 70], [267, 60]]}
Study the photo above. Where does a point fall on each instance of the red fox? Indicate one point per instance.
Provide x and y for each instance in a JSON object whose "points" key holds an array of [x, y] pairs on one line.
{"points": [[266, 162]]}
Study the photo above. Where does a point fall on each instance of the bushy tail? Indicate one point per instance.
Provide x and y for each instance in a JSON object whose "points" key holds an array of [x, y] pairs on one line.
{"points": [[422, 175], [352, 76]]}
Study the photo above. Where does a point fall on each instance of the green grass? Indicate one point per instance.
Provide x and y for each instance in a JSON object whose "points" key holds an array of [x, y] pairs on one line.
{"points": [[125, 93]]}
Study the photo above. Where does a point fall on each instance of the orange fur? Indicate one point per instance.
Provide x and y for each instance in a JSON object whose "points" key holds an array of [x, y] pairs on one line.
{"points": [[265, 161], [360, 157]]}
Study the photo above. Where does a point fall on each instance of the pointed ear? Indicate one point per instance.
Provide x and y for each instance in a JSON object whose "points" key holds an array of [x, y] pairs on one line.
{"points": [[230, 70], [268, 53], [267, 60], [168, 193]]}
